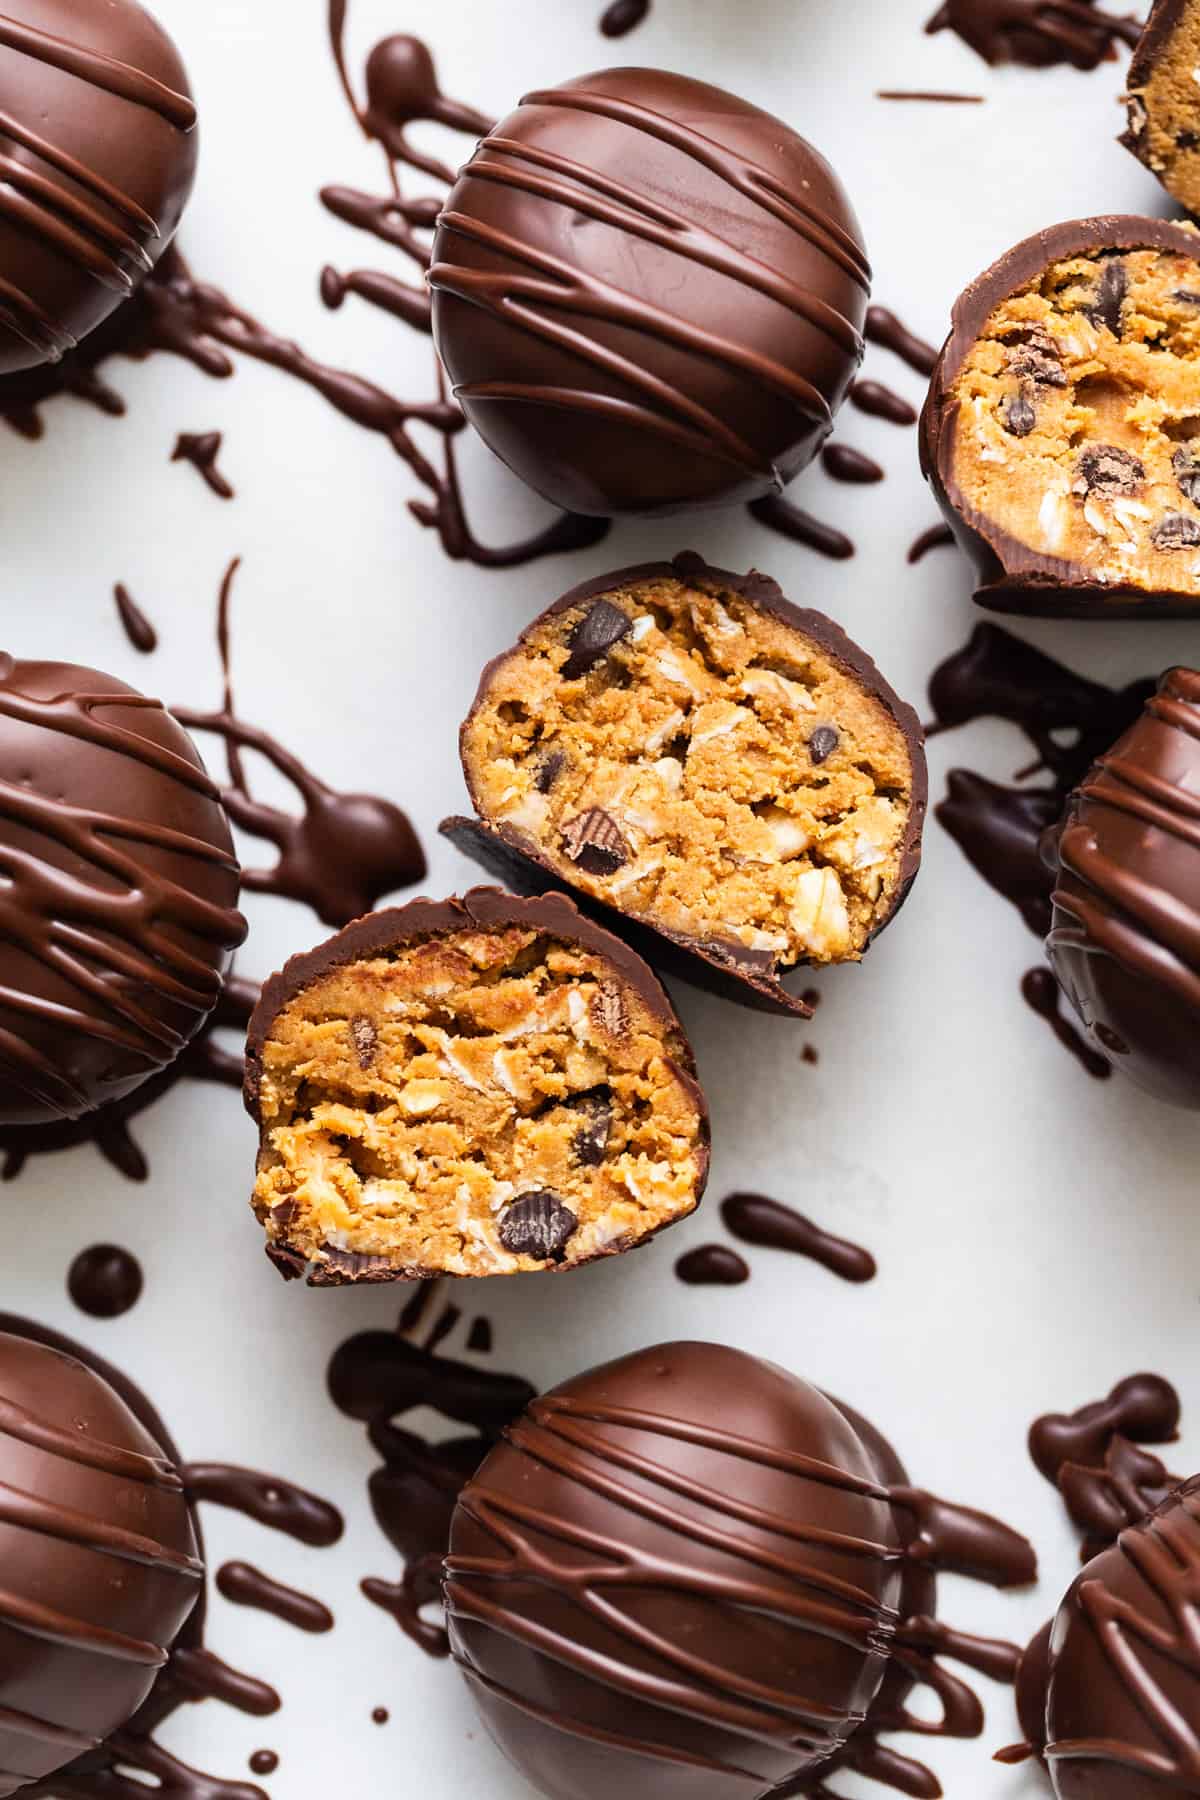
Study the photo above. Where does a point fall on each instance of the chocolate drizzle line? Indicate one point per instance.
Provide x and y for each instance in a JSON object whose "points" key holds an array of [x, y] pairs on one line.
{"points": [[106, 929], [999, 828], [929, 94], [754, 1219], [377, 1378], [201, 450], [844, 463], [1036, 32], [575, 1437], [791, 521], [138, 628], [192, 1673]]}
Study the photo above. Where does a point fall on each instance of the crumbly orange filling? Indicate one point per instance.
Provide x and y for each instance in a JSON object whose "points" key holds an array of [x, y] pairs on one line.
{"points": [[1164, 114], [1078, 429], [697, 762], [478, 1103]]}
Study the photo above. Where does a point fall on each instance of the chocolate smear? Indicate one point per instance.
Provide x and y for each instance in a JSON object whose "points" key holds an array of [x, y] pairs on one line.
{"points": [[244, 1585], [137, 626], [202, 449], [755, 1219], [712, 1265]]}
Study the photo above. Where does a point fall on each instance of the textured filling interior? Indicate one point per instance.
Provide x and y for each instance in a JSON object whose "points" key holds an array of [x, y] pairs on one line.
{"points": [[1079, 422], [1164, 115], [699, 763], [478, 1103]]}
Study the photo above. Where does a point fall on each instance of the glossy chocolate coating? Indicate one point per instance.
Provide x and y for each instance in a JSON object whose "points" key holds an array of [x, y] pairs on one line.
{"points": [[118, 911], [649, 295], [99, 1560], [1125, 936], [97, 160], [753, 978], [679, 1565], [1123, 1705], [1012, 577]]}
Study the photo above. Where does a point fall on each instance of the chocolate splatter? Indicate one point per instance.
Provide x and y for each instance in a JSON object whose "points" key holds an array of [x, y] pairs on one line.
{"points": [[1035, 32], [202, 449], [931, 539], [1041, 992], [263, 1762], [479, 1338], [754, 1219], [343, 852], [132, 1762], [378, 1377], [1095, 1459], [137, 626], [1069, 721], [622, 16], [882, 403], [244, 1585], [267, 1499], [712, 1265], [844, 463], [791, 521], [883, 328], [105, 1281]]}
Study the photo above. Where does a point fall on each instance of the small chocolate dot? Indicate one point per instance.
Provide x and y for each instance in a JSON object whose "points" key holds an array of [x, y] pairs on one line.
{"points": [[538, 1224], [822, 744]]}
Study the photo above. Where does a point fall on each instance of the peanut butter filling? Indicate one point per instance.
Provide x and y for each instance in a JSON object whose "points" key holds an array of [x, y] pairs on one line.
{"points": [[1164, 112], [697, 762], [1078, 424], [479, 1103]]}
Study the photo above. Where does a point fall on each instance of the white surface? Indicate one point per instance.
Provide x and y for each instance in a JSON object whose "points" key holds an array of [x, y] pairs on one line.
{"points": [[1035, 1230]]}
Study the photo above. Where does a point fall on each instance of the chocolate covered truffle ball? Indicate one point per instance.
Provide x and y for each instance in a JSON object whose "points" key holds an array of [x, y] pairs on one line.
{"points": [[97, 159], [648, 294], [1163, 100], [1061, 432], [118, 890], [679, 1578], [481, 1086], [730, 774], [1123, 1702], [99, 1559], [1125, 936]]}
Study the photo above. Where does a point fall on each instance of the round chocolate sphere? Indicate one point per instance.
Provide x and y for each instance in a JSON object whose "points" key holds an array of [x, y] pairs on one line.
{"points": [[99, 1558], [1123, 1703], [678, 1566], [118, 891], [1125, 936], [97, 160], [649, 294]]}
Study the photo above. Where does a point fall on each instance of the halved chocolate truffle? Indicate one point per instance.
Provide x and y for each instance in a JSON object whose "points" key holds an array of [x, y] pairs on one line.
{"points": [[1122, 1702], [689, 1575], [99, 1559], [480, 1086], [648, 294], [1125, 937], [98, 158], [118, 890], [1061, 435], [725, 771], [1163, 100]]}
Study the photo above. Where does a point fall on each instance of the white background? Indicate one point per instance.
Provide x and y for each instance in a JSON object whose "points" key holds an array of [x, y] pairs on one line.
{"points": [[1035, 1229]]}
